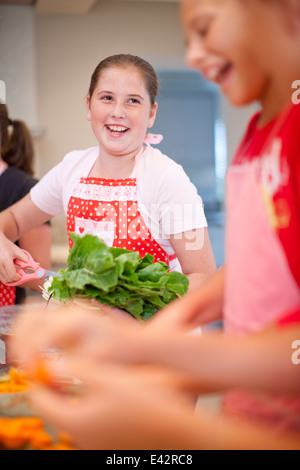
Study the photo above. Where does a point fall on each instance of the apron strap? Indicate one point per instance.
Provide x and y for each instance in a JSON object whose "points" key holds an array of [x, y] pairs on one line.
{"points": [[153, 139]]}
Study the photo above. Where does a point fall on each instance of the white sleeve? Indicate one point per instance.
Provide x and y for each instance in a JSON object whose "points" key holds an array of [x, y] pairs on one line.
{"points": [[180, 207], [168, 199], [47, 194], [53, 192]]}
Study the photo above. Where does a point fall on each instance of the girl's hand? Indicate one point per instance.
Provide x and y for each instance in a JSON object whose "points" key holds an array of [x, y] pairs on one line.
{"points": [[14, 225], [117, 408], [114, 313], [141, 408], [77, 331], [8, 253]]}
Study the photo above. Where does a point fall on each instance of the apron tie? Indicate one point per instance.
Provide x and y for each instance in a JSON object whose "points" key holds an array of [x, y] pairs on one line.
{"points": [[150, 139], [153, 139]]}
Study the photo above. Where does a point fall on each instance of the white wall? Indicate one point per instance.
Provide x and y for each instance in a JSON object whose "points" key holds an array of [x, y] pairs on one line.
{"points": [[18, 61], [18, 65]]}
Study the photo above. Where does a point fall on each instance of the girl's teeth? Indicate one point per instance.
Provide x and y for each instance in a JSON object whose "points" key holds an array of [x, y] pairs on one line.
{"points": [[117, 128]]}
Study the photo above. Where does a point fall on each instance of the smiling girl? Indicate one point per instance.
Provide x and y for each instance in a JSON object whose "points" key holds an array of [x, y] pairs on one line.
{"points": [[250, 48], [130, 195]]}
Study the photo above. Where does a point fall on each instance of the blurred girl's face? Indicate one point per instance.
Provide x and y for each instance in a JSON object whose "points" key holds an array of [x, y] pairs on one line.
{"points": [[221, 38], [120, 111]]}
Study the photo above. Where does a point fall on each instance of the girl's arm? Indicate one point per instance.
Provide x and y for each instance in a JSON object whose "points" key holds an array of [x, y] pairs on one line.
{"points": [[15, 222], [194, 252], [211, 363], [217, 362], [156, 416]]}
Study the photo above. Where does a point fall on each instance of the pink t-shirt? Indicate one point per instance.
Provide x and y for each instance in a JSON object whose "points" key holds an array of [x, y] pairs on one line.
{"points": [[168, 201], [279, 176]]}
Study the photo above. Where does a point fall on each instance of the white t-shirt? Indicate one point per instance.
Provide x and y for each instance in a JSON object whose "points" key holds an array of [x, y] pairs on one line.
{"points": [[168, 201]]}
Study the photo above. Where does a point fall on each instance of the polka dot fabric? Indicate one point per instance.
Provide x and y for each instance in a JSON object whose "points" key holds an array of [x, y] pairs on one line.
{"points": [[7, 295], [109, 209]]}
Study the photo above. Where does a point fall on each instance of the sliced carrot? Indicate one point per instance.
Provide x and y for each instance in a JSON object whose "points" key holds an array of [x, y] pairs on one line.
{"points": [[29, 432], [13, 382]]}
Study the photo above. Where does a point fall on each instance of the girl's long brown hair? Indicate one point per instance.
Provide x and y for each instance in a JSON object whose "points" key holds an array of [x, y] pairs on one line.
{"points": [[16, 146]]}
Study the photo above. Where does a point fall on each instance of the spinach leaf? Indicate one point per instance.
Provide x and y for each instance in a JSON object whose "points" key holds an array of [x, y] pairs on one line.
{"points": [[117, 277]]}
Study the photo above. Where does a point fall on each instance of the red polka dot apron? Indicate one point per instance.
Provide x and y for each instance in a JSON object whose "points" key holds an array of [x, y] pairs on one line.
{"points": [[7, 295], [108, 208]]}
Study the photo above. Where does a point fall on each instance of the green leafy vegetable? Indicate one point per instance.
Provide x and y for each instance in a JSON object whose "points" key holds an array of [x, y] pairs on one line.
{"points": [[117, 277]]}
